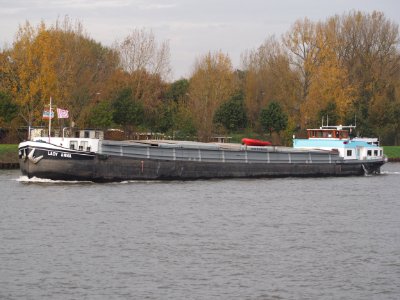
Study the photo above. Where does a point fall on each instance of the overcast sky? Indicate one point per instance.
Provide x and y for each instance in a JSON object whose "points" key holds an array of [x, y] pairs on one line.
{"points": [[192, 27]]}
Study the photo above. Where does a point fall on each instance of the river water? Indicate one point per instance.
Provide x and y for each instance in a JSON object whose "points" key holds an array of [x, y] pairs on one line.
{"points": [[290, 238]]}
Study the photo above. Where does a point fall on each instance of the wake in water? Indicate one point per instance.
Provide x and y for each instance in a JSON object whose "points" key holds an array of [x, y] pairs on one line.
{"points": [[25, 179], [390, 173]]}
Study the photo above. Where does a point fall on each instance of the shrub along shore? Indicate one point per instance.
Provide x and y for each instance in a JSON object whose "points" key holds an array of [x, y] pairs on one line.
{"points": [[9, 155]]}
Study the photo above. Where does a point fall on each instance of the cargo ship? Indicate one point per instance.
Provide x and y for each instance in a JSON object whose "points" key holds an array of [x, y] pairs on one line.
{"points": [[326, 151]]}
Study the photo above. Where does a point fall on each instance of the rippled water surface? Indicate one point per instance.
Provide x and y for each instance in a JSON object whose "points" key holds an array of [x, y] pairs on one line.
{"points": [[313, 238]]}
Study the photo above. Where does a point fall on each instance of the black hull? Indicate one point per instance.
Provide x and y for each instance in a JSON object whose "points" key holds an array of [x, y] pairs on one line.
{"points": [[83, 166]]}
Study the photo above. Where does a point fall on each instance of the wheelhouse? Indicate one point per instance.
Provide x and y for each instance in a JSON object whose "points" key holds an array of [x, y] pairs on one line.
{"points": [[327, 133]]}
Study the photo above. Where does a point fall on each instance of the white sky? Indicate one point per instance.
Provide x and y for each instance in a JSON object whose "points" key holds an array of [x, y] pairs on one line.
{"points": [[193, 27]]}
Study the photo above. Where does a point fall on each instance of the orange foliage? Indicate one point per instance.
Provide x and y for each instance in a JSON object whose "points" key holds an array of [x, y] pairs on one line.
{"points": [[211, 84]]}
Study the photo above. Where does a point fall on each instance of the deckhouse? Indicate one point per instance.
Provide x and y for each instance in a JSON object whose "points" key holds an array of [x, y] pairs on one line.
{"points": [[336, 138]]}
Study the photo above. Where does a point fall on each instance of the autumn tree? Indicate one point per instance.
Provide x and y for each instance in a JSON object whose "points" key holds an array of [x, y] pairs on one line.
{"points": [[347, 66], [84, 66], [369, 52], [350, 60], [148, 64], [300, 41], [140, 51], [8, 82], [269, 77], [28, 85], [330, 85], [211, 83], [58, 61]]}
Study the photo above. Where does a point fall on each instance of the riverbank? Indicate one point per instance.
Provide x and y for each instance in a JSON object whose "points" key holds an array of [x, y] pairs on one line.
{"points": [[392, 152], [9, 155]]}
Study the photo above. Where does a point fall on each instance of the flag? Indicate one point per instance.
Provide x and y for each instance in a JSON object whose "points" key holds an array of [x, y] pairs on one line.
{"points": [[62, 113], [47, 115]]}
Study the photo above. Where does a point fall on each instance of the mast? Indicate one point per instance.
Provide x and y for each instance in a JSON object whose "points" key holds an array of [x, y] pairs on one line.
{"points": [[50, 121]]}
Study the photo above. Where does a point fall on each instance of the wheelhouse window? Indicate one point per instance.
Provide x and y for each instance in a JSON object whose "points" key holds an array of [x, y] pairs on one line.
{"points": [[369, 153], [349, 152], [327, 133], [343, 134], [376, 152]]}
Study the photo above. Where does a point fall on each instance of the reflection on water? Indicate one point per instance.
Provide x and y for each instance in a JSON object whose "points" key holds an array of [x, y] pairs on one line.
{"points": [[291, 238]]}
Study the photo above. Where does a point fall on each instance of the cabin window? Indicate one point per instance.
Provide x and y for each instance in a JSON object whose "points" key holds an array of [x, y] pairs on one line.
{"points": [[369, 153], [73, 145], [97, 135], [86, 134], [376, 152], [349, 152], [83, 145]]}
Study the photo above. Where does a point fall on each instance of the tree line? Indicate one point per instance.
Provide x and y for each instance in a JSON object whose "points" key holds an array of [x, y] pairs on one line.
{"points": [[345, 69]]}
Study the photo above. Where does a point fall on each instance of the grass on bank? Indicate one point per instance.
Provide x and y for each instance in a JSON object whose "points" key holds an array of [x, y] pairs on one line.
{"points": [[8, 153], [392, 151]]}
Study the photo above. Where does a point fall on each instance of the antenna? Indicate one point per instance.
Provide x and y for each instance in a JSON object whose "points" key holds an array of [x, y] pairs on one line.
{"points": [[50, 121]]}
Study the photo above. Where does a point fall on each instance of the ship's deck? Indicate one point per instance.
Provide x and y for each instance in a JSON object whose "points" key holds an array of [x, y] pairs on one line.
{"points": [[214, 152]]}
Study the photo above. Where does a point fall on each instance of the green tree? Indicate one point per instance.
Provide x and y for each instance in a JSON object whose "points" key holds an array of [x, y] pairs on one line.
{"points": [[8, 109], [329, 114], [178, 90], [164, 116], [101, 115], [127, 111], [184, 127], [273, 118], [232, 114]]}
